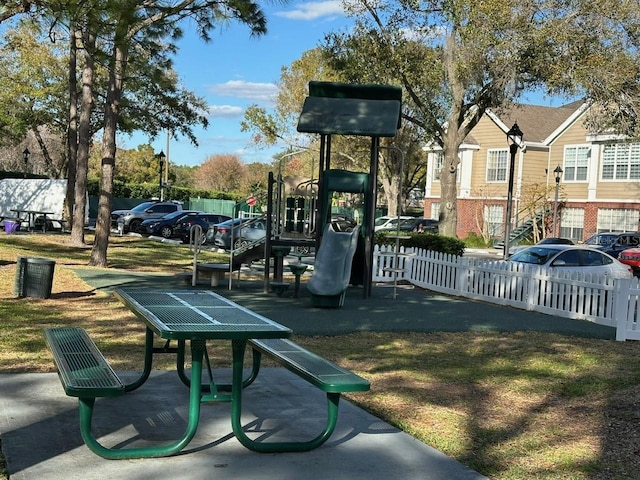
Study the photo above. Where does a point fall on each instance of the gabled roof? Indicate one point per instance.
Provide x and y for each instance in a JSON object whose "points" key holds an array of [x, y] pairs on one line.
{"points": [[540, 124]]}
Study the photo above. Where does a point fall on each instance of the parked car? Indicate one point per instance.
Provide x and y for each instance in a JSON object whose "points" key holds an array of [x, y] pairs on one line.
{"points": [[245, 230], [387, 222], [419, 225], [631, 257], [544, 241], [165, 226], [131, 219], [182, 229], [342, 222], [573, 258], [601, 239], [623, 242]]}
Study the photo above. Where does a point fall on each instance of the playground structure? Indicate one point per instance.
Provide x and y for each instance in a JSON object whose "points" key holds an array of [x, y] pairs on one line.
{"points": [[343, 109], [300, 208]]}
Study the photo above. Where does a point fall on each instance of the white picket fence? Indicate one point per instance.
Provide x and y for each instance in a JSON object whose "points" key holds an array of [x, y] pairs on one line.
{"points": [[595, 298]]}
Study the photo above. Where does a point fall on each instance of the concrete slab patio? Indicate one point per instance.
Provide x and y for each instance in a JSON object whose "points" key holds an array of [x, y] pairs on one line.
{"points": [[41, 438]]}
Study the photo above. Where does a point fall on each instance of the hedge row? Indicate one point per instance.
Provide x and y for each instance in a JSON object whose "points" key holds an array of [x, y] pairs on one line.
{"points": [[427, 241]]}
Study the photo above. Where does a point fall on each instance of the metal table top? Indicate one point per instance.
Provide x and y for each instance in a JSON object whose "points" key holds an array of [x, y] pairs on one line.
{"points": [[198, 315]]}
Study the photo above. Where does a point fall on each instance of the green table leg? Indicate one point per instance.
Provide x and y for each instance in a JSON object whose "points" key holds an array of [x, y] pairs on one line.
{"points": [[86, 414], [333, 399], [148, 360]]}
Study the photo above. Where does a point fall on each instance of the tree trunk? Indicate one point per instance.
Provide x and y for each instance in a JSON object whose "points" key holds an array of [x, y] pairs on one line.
{"points": [[72, 131], [84, 141], [112, 109], [449, 189], [390, 166]]}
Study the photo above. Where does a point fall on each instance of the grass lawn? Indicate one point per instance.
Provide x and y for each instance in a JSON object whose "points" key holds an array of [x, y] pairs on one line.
{"points": [[511, 406]]}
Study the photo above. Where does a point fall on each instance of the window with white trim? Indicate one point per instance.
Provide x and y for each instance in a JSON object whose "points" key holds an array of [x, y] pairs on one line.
{"points": [[621, 161], [572, 223], [435, 210], [493, 220], [618, 220], [576, 163], [437, 165], [497, 165]]}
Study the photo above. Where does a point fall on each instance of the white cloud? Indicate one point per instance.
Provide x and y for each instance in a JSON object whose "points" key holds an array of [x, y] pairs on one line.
{"points": [[313, 10], [257, 92], [225, 111]]}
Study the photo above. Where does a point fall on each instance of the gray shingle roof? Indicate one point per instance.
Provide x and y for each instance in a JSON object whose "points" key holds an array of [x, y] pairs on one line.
{"points": [[538, 122]]}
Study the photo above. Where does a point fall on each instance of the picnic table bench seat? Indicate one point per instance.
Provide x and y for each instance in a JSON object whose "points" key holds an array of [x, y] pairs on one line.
{"points": [[323, 374], [85, 373], [83, 370]]}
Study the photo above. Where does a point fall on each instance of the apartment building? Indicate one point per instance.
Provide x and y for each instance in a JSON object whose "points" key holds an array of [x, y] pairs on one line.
{"points": [[598, 188]]}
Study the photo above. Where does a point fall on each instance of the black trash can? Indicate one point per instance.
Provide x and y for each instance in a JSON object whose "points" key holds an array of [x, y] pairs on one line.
{"points": [[18, 286], [34, 277]]}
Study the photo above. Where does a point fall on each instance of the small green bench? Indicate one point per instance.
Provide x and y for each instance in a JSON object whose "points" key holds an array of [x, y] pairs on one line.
{"points": [[86, 374], [323, 374], [83, 370], [215, 272]]}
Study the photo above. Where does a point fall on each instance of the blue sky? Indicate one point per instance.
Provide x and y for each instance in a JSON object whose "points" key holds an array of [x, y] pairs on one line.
{"points": [[236, 70]]}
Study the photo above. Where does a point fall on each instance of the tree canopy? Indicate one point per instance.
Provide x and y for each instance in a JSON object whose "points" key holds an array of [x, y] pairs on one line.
{"points": [[455, 59]]}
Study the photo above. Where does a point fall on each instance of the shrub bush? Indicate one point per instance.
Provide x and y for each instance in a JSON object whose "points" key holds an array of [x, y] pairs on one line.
{"points": [[427, 241], [475, 240]]}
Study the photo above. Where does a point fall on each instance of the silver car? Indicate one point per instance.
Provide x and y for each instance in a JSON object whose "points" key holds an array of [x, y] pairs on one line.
{"points": [[245, 231], [573, 258]]}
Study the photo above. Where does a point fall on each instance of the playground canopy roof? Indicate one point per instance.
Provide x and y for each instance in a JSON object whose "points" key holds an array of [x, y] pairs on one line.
{"points": [[344, 109]]}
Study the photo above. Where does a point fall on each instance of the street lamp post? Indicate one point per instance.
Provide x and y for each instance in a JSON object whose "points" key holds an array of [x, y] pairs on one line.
{"points": [[25, 159], [514, 138], [558, 173], [161, 156]]}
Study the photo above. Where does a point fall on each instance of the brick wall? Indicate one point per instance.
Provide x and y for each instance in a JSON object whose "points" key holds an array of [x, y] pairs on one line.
{"points": [[469, 209]]}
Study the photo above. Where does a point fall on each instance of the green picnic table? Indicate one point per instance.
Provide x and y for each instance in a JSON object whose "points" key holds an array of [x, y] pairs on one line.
{"points": [[197, 317]]}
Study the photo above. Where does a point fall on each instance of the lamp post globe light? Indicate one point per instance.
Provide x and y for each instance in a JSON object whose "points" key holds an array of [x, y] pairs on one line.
{"points": [[558, 174], [25, 160], [161, 156], [514, 138]]}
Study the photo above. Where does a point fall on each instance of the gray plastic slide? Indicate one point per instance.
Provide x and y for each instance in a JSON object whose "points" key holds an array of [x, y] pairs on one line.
{"points": [[332, 267]]}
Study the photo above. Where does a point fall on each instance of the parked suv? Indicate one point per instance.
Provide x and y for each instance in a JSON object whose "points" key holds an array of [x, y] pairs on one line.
{"points": [[131, 219], [165, 226]]}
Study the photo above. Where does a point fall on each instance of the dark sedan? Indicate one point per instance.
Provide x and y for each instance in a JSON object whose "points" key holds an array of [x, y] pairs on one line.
{"points": [[623, 242], [205, 220], [419, 225], [164, 227]]}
